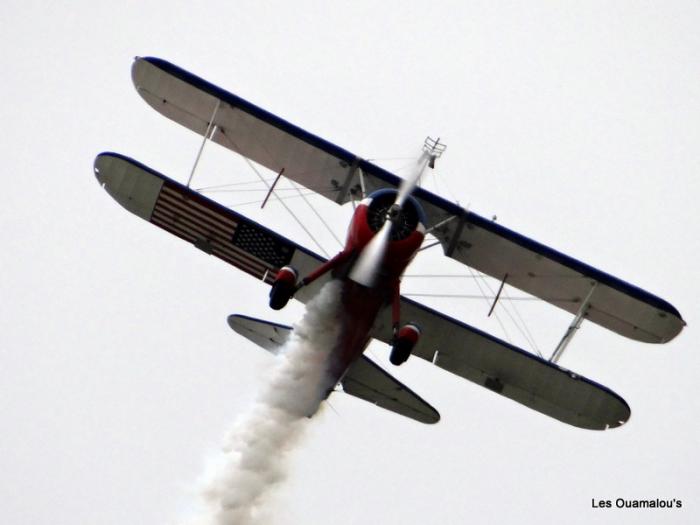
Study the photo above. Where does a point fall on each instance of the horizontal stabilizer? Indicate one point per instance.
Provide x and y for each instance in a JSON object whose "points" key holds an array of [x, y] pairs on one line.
{"points": [[270, 336], [367, 380], [364, 378]]}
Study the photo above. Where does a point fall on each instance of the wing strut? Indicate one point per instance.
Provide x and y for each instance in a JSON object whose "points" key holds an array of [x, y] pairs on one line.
{"points": [[343, 190], [442, 222], [211, 127], [362, 182], [500, 289], [269, 192], [574, 326]]}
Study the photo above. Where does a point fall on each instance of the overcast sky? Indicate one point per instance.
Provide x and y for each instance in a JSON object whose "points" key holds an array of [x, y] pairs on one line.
{"points": [[576, 123]]}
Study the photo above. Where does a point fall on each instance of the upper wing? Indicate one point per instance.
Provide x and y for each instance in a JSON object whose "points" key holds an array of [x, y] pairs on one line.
{"points": [[245, 128], [508, 370], [466, 237]]}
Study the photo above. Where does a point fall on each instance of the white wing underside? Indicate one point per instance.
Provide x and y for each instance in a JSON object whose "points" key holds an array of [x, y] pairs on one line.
{"points": [[335, 173]]}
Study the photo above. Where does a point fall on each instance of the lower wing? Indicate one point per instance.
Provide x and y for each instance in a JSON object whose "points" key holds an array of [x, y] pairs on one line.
{"points": [[508, 370], [446, 342]]}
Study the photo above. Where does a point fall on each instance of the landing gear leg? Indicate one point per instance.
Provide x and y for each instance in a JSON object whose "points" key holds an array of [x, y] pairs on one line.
{"points": [[404, 339], [325, 268], [285, 285]]}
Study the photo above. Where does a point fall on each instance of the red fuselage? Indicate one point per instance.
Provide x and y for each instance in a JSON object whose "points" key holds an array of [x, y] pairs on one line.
{"points": [[359, 304]]}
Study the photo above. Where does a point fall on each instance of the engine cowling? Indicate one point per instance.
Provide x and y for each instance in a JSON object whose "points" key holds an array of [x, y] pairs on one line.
{"points": [[404, 343], [283, 287], [406, 235]]}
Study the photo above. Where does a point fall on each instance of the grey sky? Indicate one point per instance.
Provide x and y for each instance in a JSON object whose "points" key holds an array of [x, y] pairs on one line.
{"points": [[578, 124]]}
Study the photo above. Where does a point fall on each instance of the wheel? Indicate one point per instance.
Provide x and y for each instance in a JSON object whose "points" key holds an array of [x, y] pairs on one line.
{"points": [[283, 287], [280, 293], [404, 342], [400, 352]]}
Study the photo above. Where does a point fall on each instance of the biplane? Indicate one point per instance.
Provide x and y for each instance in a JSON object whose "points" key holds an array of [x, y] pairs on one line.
{"points": [[389, 224]]}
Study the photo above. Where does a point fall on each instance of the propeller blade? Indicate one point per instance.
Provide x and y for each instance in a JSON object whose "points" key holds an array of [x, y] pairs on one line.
{"points": [[365, 270], [409, 184]]}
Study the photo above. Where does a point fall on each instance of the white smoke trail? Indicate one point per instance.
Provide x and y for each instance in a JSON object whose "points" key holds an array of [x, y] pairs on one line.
{"points": [[254, 450]]}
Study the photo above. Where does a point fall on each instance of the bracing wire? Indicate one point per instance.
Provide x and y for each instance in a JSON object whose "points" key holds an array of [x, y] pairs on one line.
{"points": [[229, 184], [226, 187], [440, 276], [284, 204], [259, 201], [470, 296], [258, 190], [330, 230], [515, 323], [505, 332], [281, 201], [531, 339], [539, 276]]}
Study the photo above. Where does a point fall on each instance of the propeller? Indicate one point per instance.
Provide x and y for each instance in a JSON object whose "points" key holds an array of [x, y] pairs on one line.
{"points": [[366, 268]]}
